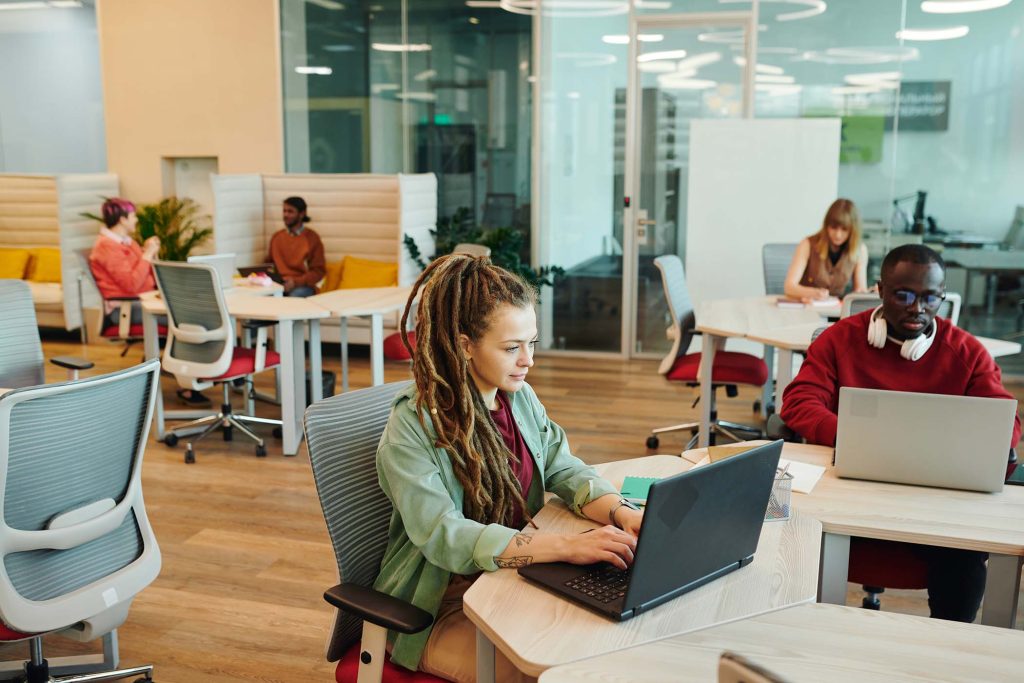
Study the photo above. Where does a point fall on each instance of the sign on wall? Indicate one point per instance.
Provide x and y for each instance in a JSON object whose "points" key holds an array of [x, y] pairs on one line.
{"points": [[924, 106]]}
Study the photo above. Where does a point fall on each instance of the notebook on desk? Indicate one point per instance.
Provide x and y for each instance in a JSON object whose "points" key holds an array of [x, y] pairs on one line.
{"points": [[698, 526], [267, 269], [953, 442]]}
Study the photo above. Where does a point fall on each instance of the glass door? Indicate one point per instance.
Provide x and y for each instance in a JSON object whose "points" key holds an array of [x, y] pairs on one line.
{"points": [[686, 67]]}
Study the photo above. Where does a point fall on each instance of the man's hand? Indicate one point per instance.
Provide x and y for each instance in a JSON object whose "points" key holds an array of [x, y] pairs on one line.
{"points": [[289, 284]]}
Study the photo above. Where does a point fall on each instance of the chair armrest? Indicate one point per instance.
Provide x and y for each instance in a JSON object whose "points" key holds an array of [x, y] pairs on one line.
{"points": [[1011, 464], [72, 363], [378, 608], [121, 298]]}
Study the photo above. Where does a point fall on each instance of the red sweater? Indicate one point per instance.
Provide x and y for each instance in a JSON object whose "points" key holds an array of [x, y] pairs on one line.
{"points": [[119, 268], [955, 364], [300, 257]]}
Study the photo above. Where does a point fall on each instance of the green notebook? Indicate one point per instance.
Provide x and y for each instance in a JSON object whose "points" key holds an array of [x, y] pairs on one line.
{"points": [[634, 489]]}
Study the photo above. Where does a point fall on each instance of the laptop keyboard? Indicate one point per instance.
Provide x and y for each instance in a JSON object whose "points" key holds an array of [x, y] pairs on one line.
{"points": [[604, 585]]}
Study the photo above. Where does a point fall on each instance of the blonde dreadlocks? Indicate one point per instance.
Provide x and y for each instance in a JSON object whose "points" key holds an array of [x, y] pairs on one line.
{"points": [[459, 294]]}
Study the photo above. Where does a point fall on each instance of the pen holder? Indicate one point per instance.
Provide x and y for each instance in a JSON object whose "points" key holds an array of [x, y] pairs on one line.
{"points": [[779, 501]]}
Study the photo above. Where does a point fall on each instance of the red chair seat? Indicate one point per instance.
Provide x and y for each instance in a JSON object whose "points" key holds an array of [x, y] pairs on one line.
{"points": [[348, 670], [243, 362], [112, 331], [394, 349], [730, 367], [887, 564], [7, 634]]}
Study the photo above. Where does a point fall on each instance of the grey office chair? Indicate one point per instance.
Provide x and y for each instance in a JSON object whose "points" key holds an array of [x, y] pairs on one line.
{"points": [[76, 544], [342, 433], [730, 368], [775, 258], [21, 350], [853, 304], [201, 351]]}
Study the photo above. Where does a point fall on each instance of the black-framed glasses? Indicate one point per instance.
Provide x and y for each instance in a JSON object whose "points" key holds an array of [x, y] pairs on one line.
{"points": [[906, 297]]}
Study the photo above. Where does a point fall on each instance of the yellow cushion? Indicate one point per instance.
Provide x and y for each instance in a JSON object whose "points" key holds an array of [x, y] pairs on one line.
{"points": [[333, 277], [357, 273], [14, 263], [45, 265]]}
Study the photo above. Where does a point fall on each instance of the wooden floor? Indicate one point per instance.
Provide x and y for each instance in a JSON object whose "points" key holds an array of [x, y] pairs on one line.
{"points": [[246, 555]]}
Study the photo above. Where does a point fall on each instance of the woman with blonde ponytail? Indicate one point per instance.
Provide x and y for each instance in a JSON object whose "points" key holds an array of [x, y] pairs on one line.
{"points": [[466, 458]]}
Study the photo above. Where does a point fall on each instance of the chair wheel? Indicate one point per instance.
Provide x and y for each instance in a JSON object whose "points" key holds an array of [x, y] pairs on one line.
{"points": [[228, 434], [653, 442], [190, 455], [868, 603], [278, 432], [171, 440], [261, 451]]}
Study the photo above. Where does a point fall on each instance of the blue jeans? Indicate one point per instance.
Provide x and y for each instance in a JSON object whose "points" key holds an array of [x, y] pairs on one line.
{"points": [[301, 290]]}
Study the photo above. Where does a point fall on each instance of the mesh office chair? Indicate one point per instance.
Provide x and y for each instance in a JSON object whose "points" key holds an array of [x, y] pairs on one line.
{"points": [[775, 258], [342, 433], [74, 537], [730, 368], [201, 351], [21, 350], [123, 330]]}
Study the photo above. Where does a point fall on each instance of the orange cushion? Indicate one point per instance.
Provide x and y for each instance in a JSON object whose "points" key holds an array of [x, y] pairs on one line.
{"points": [[332, 280], [14, 263], [45, 265], [357, 273]]}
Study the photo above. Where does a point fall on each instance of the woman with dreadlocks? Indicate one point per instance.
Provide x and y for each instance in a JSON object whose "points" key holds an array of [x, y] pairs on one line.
{"points": [[466, 457]]}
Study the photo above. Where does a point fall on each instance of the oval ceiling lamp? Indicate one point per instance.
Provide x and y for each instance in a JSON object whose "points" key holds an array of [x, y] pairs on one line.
{"points": [[961, 6], [929, 34]]}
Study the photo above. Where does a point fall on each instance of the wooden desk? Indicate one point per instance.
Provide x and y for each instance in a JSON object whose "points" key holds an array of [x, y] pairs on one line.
{"points": [[372, 302], [815, 643], [286, 312], [988, 522], [536, 629]]}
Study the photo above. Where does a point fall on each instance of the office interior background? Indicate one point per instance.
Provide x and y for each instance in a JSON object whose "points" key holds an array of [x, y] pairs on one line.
{"points": [[522, 115]]}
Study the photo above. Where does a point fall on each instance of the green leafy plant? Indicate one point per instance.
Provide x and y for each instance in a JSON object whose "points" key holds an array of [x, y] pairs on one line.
{"points": [[505, 244], [175, 221]]}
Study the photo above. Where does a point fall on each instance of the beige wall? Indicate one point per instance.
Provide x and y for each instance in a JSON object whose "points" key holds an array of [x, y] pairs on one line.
{"points": [[189, 78]]}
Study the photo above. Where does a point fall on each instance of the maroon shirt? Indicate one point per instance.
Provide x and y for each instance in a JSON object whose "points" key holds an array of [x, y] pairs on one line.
{"points": [[523, 470]]}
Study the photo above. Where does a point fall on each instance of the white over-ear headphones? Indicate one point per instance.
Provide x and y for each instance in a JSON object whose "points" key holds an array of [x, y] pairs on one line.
{"points": [[911, 349]]}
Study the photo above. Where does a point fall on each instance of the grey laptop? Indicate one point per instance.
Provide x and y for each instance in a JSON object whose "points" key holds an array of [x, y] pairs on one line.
{"points": [[224, 264], [698, 526], [953, 442]]}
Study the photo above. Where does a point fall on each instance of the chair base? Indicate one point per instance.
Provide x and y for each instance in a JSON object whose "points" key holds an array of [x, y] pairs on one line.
{"points": [[728, 429], [37, 670], [226, 420]]}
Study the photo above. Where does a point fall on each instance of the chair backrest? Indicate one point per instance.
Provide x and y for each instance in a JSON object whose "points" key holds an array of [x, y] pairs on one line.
{"points": [[472, 249], [200, 335], [21, 351], [857, 303], [75, 541], [342, 433], [776, 257], [680, 307]]}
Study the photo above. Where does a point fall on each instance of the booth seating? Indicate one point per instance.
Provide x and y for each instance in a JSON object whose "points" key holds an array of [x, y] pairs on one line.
{"points": [[362, 220]]}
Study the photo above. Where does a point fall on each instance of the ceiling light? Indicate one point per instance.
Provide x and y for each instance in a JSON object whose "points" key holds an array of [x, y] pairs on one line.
{"points": [[672, 82], [23, 5], [65, 4], [814, 8], [326, 4], [961, 6], [474, 20], [417, 96], [759, 68], [482, 4], [650, 37], [425, 75], [698, 61], [314, 70], [586, 59], [933, 33], [401, 47], [664, 54], [656, 67], [573, 95], [861, 55], [339, 48], [772, 78], [652, 4], [615, 40], [378, 88], [567, 8]]}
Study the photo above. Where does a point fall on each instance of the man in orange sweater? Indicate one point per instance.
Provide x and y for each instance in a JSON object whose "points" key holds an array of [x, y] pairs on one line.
{"points": [[912, 288], [122, 268], [297, 252]]}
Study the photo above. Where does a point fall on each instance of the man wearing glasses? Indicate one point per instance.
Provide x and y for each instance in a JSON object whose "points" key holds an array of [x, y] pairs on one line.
{"points": [[902, 346]]}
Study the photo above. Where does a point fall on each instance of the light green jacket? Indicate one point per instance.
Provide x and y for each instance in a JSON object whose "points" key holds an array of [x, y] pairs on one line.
{"points": [[429, 538]]}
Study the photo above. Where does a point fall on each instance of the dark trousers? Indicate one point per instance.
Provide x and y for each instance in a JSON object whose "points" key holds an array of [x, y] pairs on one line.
{"points": [[956, 582]]}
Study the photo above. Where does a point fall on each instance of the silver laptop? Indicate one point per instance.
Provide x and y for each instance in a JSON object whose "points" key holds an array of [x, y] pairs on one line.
{"points": [[953, 442], [224, 264]]}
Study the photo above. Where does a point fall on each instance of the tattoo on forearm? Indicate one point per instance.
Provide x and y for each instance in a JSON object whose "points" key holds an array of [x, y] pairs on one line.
{"points": [[513, 562], [522, 539]]}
